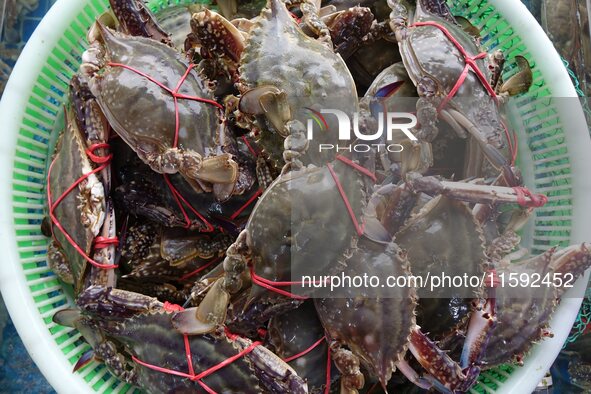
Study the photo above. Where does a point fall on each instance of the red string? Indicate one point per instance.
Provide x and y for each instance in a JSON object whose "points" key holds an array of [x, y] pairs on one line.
{"points": [[359, 228], [250, 148], [191, 375], [303, 353], [198, 270], [102, 242], [246, 204], [98, 159], [535, 200], [471, 65], [470, 61], [176, 96], [270, 285], [359, 168], [178, 197]]}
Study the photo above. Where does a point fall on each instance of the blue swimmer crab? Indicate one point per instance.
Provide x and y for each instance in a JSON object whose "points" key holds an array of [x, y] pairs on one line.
{"points": [[277, 92], [402, 216], [134, 335], [163, 263], [523, 313], [172, 202], [79, 181], [448, 69], [172, 129], [282, 232], [298, 338]]}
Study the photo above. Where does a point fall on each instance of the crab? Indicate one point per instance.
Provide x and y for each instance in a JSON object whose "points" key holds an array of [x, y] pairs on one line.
{"points": [[445, 64], [161, 255], [280, 233], [271, 92], [173, 130], [134, 335], [76, 184], [300, 331], [523, 313], [408, 230], [172, 202]]}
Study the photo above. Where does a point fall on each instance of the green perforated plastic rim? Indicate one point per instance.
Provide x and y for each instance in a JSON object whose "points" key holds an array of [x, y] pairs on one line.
{"points": [[552, 156]]}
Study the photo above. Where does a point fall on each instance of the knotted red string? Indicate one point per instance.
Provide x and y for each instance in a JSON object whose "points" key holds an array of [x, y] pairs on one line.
{"points": [[191, 375], [535, 200], [176, 96], [180, 200], [273, 285], [470, 64], [100, 242]]}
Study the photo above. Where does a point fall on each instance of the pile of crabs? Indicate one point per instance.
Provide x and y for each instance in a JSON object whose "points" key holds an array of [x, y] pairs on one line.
{"points": [[184, 191]]}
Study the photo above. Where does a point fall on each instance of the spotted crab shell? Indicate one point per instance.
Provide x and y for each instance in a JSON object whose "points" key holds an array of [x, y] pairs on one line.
{"points": [[312, 75], [143, 113], [375, 327], [82, 211]]}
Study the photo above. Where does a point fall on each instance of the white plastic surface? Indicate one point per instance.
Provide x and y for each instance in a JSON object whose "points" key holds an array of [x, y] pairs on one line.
{"points": [[17, 296], [15, 291], [525, 379]]}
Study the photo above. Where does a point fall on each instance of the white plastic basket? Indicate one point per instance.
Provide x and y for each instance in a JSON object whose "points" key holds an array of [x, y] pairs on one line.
{"points": [[31, 106]]}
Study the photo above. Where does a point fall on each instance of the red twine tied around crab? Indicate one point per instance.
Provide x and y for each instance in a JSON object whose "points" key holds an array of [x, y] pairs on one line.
{"points": [[99, 242], [191, 375], [178, 197], [273, 285], [180, 200], [471, 65], [328, 361], [535, 200], [360, 228]]}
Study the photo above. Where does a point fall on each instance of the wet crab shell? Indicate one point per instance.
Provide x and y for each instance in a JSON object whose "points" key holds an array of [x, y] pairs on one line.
{"points": [[279, 54], [428, 52], [82, 211], [444, 237], [151, 338], [375, 324], [301, 222], [143, 113]]}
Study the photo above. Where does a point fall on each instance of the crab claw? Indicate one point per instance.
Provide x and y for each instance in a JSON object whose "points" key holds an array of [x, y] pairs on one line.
{"points": [[446, 375], [136, 19], [218, 39], [574, 260], [521, 81], [210, 314], [482, 321], [269, 101], [84, 360]]}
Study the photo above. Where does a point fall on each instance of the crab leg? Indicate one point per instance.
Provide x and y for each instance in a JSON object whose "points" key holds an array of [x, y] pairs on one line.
{"points": [[309, 10], [482, 321], [95, 128], [446, 374], [480, 194]]}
